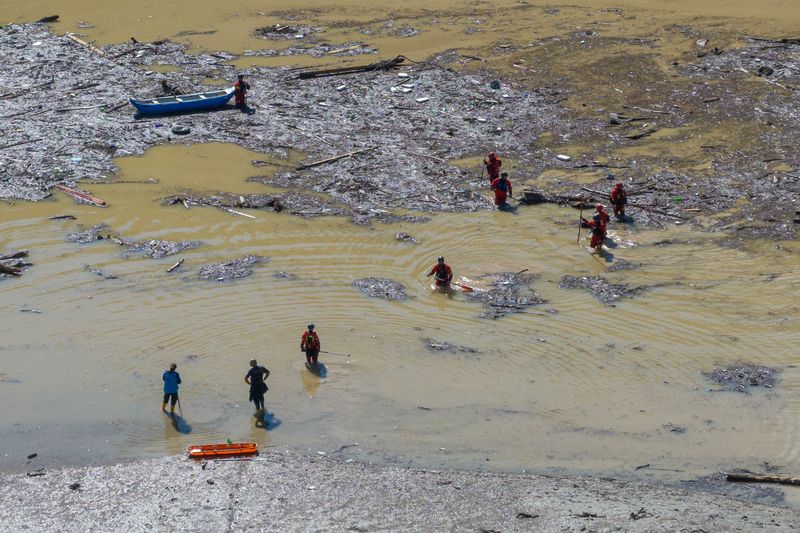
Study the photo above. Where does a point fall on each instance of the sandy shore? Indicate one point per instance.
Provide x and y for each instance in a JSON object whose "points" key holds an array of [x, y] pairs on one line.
{"points": [[288, 491]]}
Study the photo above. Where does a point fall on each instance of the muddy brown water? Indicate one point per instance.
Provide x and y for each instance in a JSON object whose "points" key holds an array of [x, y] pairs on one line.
{"points": [[590, 388]]}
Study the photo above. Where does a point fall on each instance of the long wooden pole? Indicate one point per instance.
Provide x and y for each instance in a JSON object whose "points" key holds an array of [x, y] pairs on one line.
{"points": [[580, 223]]}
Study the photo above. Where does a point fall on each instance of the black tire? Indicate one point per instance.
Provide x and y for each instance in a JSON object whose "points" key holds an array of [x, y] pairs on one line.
{"points": [[180, 130]]}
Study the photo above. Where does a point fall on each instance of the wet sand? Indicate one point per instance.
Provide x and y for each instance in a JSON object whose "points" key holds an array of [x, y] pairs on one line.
{"points": [[287, 491]]}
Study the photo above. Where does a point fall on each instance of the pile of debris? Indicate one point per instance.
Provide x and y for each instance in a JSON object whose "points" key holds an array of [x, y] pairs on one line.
{"points": [[12, 263], [82, 236], [156, 249], [510, 292], [741, 377], [281, 32], [318, 50], [237, 268], [607, 293], [383, 288], [444, 346]]}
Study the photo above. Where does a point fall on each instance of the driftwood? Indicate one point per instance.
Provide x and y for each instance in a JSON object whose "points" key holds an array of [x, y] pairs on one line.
{"points": [[641, 134], [332, 159], [81, 195], [646, 110], [176, 265], [9, 266], [760, 478], [83, 43], [380, 65], [51, 18], [18, 143]]}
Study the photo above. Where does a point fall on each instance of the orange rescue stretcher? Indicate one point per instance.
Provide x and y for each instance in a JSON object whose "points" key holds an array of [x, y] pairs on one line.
{"points": [[209, 451]]}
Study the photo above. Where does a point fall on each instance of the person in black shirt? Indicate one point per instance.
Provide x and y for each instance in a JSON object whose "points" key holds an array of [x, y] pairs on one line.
{"points": [[255, 378]]}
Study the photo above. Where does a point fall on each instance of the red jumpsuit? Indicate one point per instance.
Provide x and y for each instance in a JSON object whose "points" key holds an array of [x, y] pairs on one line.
{"points": [[501, 188], [618, 199], [493, 168], [442, 273], [598, 227], [240, 91], [310, 344]]}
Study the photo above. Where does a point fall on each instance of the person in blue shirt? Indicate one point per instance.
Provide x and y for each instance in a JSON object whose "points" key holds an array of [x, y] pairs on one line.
{"points": [[171, 381]]}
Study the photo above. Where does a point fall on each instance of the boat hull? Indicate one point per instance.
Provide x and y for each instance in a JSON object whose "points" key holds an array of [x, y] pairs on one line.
{"points": [[184, 103]]}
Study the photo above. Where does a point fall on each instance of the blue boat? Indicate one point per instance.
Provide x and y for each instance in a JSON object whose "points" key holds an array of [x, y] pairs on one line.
{"points": [[183, 103]]}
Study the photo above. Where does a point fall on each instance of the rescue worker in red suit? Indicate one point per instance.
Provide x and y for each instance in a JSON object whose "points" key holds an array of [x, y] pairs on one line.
{"points": [[502, 188], [493, 166], [444, 275], [598, 226], [309, 343], [240, 91], [618, 199]]}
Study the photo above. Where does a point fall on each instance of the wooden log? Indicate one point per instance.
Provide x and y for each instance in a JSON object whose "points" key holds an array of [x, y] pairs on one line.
{"points": [[332, 159], [176, 265], [234, 212], [761, 478], [641, 134], [81, 195], [18, 143], [14, 255], [83, 43], [8, 270], [64, 109], [380, 65], [439, 159]]}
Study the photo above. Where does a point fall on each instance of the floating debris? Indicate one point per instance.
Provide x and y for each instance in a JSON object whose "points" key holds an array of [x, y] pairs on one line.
{"points": [[621, 264], [444, 346], [284, 275], [280, 32], [384, 288], [12, 264], [741, 377], [600, 288], [87, 235], [509, 293], [98, 272], [405, 237], [237, 268], [157, 249]]}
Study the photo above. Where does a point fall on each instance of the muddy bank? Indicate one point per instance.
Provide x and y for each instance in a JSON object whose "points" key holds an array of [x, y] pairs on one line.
{"points": [[331, 493]]}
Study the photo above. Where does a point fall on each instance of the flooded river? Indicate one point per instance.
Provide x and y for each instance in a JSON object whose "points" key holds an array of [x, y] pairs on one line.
{"points": [[589, 388]]}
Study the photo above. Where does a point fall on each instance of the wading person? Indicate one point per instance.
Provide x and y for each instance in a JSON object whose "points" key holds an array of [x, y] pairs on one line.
{"points": [[240, 92], [502, 189], [171, 381], [493, 166], [598, 226], [309, 343], [442, 272], [618, 199], [255, 378]]}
